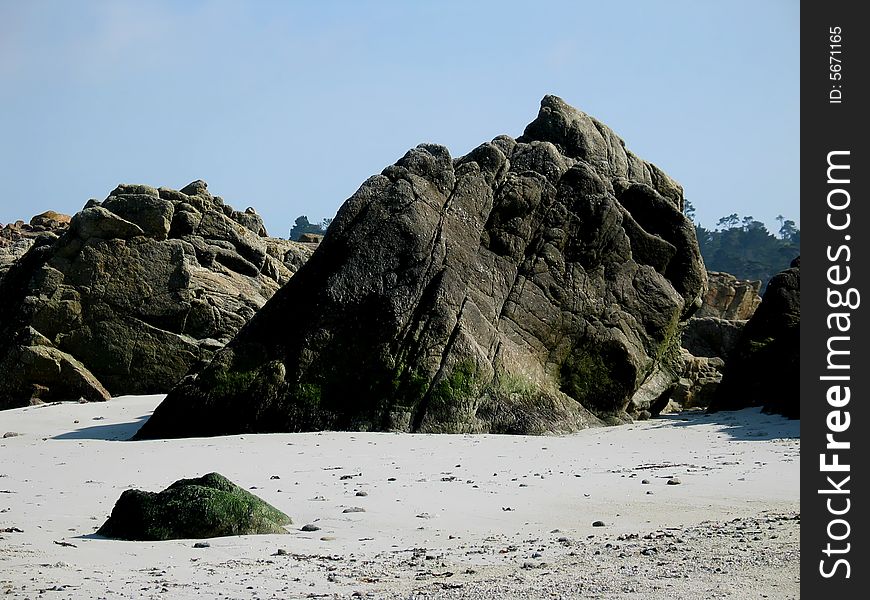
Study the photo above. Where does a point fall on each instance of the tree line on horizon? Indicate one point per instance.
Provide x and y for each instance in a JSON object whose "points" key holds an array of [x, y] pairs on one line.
{"points": [[745, 247]]}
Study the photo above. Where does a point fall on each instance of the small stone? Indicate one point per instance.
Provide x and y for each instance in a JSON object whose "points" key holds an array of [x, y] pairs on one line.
{"points": [[310, 527], [645, 481], [274, 477], [281, 552], [327, 538], [674, 481], [598, 523], [362, 494], [202, 545], [10, 434], [354, 509]]}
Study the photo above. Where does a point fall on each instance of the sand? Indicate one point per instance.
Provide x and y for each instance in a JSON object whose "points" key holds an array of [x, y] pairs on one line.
{"points": [[449, 516]]}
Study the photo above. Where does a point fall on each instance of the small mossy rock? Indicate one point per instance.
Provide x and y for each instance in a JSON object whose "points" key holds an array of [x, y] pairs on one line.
{"points": [[205, 507]]}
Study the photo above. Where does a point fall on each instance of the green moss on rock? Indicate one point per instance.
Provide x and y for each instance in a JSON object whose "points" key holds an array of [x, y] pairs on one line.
{"points": [[229, 382], [599, 378], [205, 507]]}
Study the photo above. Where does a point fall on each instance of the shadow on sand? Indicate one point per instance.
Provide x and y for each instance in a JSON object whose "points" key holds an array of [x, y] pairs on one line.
{"points": [[749, 424], [113, 433]]}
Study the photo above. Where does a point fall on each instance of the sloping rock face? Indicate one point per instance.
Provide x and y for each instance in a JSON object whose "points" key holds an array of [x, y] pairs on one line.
{"points": [[729, 298], [764, 368], [205, 507], [534, 285], [138, 290]]}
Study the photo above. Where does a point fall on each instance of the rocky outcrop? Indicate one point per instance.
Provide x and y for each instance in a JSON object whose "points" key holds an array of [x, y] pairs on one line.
{"points": [[709, 337], [764, 368], [136, 291], [205, 507], [534, 285], [17, 238], [729, 298]]}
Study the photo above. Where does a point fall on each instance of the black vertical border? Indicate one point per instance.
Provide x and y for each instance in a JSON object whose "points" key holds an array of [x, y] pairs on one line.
{"points": [[826, 127]]}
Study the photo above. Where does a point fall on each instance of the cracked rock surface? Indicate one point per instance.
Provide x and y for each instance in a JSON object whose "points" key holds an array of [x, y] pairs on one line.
{"points": [[535, 285], [139, 289]]}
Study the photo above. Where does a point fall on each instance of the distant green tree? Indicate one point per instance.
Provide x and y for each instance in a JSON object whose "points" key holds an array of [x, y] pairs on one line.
{"points": [[745, 248]]}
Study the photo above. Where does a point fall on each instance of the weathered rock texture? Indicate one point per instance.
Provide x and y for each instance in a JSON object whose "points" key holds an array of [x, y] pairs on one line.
{"points": [[534, 285], [764, 368], [138, 290], [206, 507], [17, 238], [729, 298], [709, 337]]}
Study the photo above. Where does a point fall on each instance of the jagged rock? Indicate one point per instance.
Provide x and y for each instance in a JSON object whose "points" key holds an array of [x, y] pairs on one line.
{"points": [[206, 507], [17, 238], [310, 238], [140, 288], [49, 221], [534, 285], [696, 386], [764, 368], [729, 298]]}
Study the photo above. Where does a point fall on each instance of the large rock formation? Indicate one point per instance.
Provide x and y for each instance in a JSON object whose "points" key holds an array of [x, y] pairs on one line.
{"points": [[205, 507], [138, 290], [764, 368], [534, 285]]}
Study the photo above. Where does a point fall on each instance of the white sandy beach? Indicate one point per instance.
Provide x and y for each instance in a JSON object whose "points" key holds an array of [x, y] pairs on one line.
{"points": [[449, 516]]}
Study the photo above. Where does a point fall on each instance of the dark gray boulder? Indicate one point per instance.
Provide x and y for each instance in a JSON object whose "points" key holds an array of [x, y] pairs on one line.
{"points": [[711, 336], [205, 507], [534, 285], [140, 289], [764, 367]]}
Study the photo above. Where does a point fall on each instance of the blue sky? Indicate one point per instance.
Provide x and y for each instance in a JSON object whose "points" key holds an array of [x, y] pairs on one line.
{"points": [[290, 106]]}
